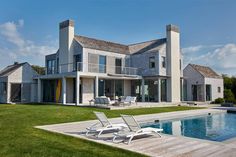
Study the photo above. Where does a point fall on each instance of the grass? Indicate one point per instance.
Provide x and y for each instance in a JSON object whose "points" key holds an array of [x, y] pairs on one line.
{"points": [[19, 138]]}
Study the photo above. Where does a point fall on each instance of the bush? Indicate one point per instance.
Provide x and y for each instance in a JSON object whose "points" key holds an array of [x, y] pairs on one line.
{"points": [[229, 96], [219, 100]]}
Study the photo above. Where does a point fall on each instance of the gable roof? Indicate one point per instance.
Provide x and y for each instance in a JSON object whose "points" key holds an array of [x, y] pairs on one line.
{"points": [[10, 69], [205, 71], [102, 45], [119, 48], [146, 46]]}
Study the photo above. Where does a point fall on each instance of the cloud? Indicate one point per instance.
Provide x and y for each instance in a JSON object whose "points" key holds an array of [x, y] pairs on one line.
{"points": [[191, 49], [222, 58], [14, 46]]}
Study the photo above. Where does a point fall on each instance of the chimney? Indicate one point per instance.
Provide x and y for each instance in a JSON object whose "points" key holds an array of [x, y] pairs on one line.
{"points": [[66, 36], [172, 58]]}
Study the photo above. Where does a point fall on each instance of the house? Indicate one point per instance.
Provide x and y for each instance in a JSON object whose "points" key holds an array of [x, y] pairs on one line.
{"points": [[202, 83], [84, 68], [17, 84]]}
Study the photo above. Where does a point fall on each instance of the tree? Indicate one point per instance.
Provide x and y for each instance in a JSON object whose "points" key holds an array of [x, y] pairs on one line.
{"points": [[40, 70], [228, 95]]}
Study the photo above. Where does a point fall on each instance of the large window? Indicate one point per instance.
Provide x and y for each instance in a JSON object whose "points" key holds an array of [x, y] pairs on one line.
{"points": [[102, 64], [152, 62], [219, 90], [51, 66], [163, 61]]}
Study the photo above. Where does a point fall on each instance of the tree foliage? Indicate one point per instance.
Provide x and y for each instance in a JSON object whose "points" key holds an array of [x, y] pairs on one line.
{"points": [[40, 70], [229, 88]]}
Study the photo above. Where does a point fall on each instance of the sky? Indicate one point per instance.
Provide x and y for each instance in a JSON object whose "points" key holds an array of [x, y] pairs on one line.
{"points": [[29, 29]]}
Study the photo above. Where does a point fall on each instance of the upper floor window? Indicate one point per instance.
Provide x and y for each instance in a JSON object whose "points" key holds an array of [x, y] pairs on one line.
{"points": [[51, 66], [219, 90], [151, 62], [77, 62], [118, 64], [102, 64], [163, 61]]}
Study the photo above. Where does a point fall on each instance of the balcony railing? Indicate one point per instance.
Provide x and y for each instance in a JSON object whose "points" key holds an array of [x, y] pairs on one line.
{"points": [[97, 68]]}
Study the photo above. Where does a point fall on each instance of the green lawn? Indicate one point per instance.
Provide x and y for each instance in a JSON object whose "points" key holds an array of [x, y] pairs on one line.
{"points": [[19, 138]]}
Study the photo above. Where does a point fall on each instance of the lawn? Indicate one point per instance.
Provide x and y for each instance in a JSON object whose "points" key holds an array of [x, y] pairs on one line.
{"points": [[19, 138]]}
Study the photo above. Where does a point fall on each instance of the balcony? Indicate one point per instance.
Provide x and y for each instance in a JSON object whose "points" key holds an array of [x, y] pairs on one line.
{"points": [[97, 68]]}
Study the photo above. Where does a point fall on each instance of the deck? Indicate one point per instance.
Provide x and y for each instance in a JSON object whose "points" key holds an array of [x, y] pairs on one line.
{"points": [[166, 146]]}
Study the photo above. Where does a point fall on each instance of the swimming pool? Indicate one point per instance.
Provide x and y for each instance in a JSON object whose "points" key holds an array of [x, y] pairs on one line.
{"points": [[216, 127]]}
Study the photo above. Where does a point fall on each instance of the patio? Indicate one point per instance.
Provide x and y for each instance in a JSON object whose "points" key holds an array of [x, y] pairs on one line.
{"points": [[154, 146]]}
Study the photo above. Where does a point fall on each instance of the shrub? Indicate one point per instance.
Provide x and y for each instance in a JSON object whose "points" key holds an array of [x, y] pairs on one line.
{"points": [[228, 95], [219, 100]]}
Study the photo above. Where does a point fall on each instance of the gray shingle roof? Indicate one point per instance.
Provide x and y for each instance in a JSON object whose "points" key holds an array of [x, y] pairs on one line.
{"points": [[146, 46], [102, 45], [205, 71], [119, 48], [10, 69]]}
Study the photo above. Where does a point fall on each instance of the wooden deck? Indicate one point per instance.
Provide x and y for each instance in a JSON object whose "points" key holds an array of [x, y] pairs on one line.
{"points": [[166, 146]]}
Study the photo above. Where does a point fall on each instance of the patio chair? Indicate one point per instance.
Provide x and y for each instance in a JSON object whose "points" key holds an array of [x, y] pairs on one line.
{"points": [[129, 100], [135, 129], [104, 125]]}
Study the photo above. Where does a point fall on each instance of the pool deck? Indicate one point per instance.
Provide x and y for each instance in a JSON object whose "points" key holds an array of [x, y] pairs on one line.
{"points": [[166, 146]]}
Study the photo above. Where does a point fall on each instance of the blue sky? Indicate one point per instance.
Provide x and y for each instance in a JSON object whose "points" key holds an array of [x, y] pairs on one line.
{"points": [[29, 29]]}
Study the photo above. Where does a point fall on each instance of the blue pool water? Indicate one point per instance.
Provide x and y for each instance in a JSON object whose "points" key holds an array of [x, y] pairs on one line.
{"points": [[216, 127]]}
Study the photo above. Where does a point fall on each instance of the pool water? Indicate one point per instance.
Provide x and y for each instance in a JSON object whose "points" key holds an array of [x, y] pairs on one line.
{"points": [[216, 127]]}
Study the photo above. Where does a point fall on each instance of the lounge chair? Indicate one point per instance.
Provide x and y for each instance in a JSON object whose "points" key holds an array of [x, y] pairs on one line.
{"points": [[104, 125], [135, 129], [103, 101], [129, 100]]}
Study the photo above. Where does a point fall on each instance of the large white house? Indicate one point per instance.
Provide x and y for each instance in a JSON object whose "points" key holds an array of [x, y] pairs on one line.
{"points": [[84, 68], [202, 83]]}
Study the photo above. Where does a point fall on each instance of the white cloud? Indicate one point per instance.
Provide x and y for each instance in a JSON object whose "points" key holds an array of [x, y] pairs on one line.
{"points": [[14, 46], [191, 49], [222, 58]]}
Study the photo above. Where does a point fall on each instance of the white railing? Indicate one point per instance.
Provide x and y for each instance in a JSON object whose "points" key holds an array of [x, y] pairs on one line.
{"points": [[97, 68]]}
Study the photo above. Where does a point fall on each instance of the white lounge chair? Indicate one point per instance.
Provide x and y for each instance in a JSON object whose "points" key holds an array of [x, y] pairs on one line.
{"points": [[104, 125], [103, 101], [129, 100], [134, 129]]}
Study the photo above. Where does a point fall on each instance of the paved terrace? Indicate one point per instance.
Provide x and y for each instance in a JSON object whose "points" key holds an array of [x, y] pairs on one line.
{"points": [[166, 146]]}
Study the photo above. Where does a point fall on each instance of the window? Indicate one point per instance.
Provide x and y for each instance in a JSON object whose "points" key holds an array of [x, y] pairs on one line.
{"points": [[118, 65], [51, 66], [102, 64], [152, 62], [163, 61], [3, 88], [219, 90], [77, 62]]}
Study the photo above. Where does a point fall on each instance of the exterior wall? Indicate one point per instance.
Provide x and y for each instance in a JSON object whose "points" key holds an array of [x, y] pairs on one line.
{"points": [[215, 83], [192, 77], [110, 58], [162, 53], [172, 64], [141, 61], [87, 89]]}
